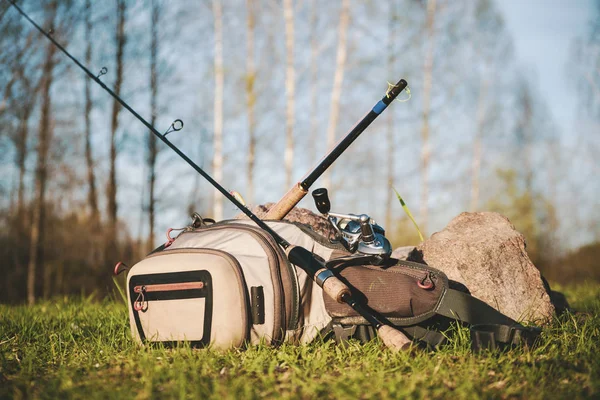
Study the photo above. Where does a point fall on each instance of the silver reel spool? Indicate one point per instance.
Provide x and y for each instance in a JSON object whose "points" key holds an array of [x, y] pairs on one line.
{"points": [[357, 233]]}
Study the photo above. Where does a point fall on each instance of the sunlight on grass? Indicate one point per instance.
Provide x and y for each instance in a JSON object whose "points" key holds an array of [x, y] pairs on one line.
{"points": [[77, 348]]}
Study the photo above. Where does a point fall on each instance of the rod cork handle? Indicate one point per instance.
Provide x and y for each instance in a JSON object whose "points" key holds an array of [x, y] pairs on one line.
{"points": [[334, 288], [279, 210], [324, 277], [393, 338]]}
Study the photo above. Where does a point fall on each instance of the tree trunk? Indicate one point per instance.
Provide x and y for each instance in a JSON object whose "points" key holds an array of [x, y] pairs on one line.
{"points": [[425, 149], [250, 98], [524, 136], [390, 119], [477, 145], [217, 164], [23, 106], [290, 88], [338, 79], [44, 136], [112, 177], [152, 147], [89, 159], [22, 156], [313, 83]]}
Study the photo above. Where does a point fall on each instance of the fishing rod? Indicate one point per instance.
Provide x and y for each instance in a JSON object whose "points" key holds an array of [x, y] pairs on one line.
{"points": [[280, 209], [316, 269]]}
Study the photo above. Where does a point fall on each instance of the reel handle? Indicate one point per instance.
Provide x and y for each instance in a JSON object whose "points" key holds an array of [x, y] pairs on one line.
{"points": [[322, 200], [368, 235]]}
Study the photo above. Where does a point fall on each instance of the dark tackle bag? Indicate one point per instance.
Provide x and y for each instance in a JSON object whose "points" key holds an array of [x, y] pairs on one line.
{"points": [[422, 302]]}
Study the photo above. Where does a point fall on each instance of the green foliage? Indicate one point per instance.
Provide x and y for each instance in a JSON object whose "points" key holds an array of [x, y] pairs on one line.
{"points": [[408, 213], [75, 260], [78, 348], [580, 265], [402, 233], [530, 213]]}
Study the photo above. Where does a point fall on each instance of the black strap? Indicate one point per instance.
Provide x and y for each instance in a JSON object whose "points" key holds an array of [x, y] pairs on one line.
{"points": [[432, 337], [490, 329], [492, 337], [466, 308]]}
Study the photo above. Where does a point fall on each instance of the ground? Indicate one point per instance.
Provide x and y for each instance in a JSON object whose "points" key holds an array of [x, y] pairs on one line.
{"points": [[75, 348]]}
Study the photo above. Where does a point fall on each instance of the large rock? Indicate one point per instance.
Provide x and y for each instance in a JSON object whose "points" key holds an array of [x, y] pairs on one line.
{"points": [[484, 252]]}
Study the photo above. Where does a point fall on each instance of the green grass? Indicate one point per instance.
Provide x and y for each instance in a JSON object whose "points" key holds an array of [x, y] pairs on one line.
{"points": [[79, 348]]}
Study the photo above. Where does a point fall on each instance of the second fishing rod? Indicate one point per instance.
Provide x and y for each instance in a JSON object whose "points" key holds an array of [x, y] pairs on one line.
{"points": [[280, 209], [297, 255]]}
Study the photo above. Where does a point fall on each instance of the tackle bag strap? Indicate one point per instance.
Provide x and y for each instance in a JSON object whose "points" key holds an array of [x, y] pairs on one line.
{"points": [[490, 329], [464, 307], [492, 337], [341, 334], [433, 338]]}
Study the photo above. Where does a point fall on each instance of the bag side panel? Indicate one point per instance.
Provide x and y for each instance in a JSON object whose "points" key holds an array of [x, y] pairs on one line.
{"points": [[251, 256], [173, 319], [313, 314]]}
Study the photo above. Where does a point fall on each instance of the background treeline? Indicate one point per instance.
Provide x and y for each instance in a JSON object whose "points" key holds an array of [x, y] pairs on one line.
{"points": [[264, 87]]}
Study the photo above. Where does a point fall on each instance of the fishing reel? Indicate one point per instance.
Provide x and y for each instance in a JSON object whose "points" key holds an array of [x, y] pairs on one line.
{"points": [[357, 233]]}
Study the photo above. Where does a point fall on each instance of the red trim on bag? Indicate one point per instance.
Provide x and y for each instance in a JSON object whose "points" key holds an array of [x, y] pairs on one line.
{"points": [[167, 287]]}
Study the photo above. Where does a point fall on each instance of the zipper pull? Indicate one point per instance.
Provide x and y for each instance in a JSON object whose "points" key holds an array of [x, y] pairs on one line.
{"points": [[426, 283], [138, 304]]}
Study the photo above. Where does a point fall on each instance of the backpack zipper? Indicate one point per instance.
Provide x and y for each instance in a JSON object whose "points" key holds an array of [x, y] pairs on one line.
{"points": [[166, 287]]}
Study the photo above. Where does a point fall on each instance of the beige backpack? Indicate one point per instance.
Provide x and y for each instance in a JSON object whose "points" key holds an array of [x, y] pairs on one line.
{"points": [[228, 284]]}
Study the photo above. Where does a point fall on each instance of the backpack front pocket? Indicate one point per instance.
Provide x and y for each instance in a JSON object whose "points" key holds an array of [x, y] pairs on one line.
{"points": [[187, 304]]}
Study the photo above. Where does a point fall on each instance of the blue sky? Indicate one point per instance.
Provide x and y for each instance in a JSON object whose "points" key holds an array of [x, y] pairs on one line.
{"points": [[543, 32]]}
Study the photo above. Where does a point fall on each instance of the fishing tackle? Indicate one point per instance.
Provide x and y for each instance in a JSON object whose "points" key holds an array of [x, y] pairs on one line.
{"points": [[303, 258]]}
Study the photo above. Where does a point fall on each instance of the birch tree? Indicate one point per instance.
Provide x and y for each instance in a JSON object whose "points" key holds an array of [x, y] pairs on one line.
{"points": [[491, 60], [425, 128], [250, 97], [391, 148], [217, 164], [314, 77], [477, 144], [152, 145], [290, 88], [120, 39], [338, 78], [36, 252], [89, 159]]}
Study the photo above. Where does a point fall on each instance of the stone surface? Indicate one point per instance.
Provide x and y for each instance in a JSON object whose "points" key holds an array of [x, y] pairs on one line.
{"points": [[484, 252], [402, 253]]}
